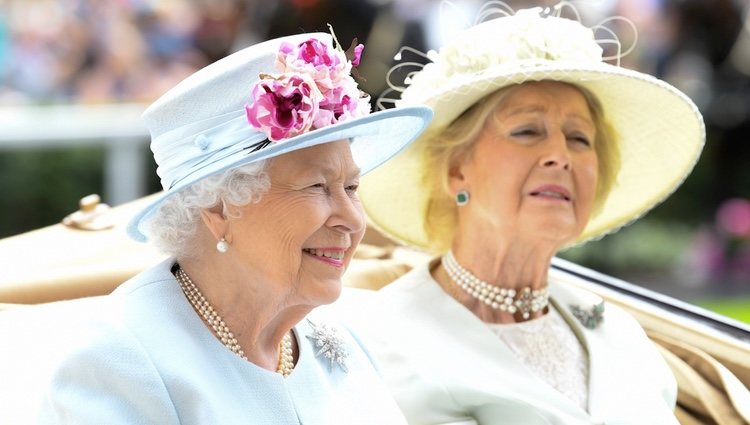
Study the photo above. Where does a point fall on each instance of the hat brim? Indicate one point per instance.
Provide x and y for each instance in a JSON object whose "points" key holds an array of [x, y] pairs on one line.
{"points": [[375, 138], [660, 133]]}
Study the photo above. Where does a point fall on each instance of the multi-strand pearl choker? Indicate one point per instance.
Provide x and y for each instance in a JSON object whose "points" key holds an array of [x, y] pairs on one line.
{"points": [[210, 316], [524, 301]]}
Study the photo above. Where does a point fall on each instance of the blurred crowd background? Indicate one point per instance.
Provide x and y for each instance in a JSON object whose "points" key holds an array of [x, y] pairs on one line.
{"points": [[695, 246]]}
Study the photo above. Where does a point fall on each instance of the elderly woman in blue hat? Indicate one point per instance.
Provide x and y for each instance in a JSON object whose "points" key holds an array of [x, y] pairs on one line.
{"points": [[537, 144], [260, 156]]}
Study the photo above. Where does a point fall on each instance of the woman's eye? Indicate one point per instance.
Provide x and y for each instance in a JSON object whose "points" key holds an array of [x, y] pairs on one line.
{"points": [[352, 188], [525, 132], [318, 186], [580, 139]]}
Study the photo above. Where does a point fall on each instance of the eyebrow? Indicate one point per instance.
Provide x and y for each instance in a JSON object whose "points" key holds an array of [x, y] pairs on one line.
{"points": [[536, 108], [524, 109], [356, 172], [326, 168]]}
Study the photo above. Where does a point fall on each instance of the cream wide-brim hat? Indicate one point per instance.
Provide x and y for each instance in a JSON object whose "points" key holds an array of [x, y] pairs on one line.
{"points": [[199, 128], [660, 132]]}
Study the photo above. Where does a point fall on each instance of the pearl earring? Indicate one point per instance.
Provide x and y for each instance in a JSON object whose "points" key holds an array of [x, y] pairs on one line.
{"points": [[462, 198], [222, 246]]}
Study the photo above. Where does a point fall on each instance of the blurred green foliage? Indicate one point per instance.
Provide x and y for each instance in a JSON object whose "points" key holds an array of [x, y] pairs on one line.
{"points": [[736, 308], [648, 245], [41, 186]]}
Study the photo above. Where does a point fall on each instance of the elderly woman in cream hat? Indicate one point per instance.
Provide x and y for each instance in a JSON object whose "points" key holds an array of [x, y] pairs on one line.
{"points": [[536, 144], [260, 156]]}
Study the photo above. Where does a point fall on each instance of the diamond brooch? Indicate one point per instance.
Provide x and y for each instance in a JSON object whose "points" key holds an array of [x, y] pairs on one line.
{"points": [[589, 318], [329, 345]]}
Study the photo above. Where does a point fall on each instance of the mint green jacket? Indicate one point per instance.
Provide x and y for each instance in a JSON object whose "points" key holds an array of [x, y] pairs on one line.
{"points": [[445, 366]]}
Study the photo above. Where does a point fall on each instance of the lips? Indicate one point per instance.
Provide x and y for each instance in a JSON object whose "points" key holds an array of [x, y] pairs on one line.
{"points": [[335, 254], [552, 191]]}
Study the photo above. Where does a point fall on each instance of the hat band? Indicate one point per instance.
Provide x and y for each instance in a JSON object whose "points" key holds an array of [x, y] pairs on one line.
{"points": [[187, 150]]}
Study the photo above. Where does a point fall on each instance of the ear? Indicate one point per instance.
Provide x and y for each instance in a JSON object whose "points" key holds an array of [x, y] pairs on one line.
{"points": [[456, 177], [216, 221]]}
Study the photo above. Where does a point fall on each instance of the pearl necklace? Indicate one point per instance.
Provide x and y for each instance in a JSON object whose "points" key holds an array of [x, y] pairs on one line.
{"points": [[210, 316], [525, 301]]}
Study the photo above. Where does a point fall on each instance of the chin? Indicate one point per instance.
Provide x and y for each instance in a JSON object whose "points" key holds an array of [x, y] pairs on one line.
{"points": [[327, 293], [558, 228]]}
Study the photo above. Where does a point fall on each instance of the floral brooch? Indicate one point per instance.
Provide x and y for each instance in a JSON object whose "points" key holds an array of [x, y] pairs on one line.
{"points": [[589, 318], [329, 345]]}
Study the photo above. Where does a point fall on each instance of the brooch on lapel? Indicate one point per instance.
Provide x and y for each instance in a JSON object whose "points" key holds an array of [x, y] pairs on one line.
{"points": [[589, 318], [329, 345]]}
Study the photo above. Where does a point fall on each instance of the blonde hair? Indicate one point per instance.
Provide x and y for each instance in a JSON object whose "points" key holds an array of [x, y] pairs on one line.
{"points": [[449, 146]]}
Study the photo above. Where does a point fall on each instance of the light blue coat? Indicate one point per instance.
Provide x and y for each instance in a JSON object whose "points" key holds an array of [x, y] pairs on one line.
{"points": [[145, 357], [445, 366]]}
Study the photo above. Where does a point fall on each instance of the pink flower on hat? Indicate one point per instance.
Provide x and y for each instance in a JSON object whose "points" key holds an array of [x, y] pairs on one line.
{"points": [[284, 106], [326, 65], [340, 104], [323, 92]]}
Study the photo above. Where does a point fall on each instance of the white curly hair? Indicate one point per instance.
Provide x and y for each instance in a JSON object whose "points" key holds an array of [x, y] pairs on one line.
{"points": [[174, 225]]}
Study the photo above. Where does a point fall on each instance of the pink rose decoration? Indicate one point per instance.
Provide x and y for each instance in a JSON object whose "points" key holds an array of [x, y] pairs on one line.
{"points": [[315, 52], [326, 65], [340, 104], [315, 90], [284, 106]]}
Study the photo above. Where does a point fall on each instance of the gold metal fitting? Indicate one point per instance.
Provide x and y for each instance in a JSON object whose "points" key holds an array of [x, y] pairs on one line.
{"points": [[92, 215]]}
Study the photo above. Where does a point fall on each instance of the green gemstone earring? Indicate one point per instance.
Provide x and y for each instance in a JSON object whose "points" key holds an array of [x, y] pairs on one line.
{"points": [[462, 198]]}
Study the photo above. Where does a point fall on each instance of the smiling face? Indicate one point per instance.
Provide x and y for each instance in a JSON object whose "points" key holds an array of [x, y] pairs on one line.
{"points": [[533, 171], [300, 237]]}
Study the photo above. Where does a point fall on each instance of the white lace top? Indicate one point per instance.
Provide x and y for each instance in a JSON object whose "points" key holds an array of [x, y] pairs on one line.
{"points": [[551, 350]]}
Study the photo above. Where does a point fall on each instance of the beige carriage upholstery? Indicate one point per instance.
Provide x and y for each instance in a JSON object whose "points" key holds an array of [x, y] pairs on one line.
{"points": [[50, 276]]}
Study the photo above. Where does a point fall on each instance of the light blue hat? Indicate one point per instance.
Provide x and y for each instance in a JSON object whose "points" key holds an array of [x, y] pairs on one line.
{"points": [[202, 126]]}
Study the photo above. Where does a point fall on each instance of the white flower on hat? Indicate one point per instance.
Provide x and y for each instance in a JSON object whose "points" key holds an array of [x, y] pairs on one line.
{"points": [[529, 39]]}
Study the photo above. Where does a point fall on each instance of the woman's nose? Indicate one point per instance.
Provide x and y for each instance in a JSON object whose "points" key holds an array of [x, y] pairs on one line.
{"points": [[556, 152], [346, 214]]}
